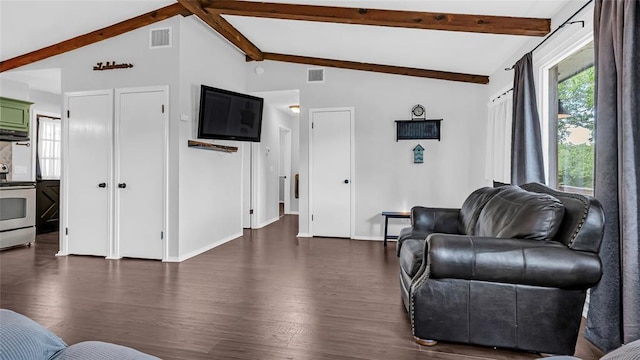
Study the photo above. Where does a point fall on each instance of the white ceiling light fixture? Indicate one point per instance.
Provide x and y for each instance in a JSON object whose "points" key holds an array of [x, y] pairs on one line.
{"points": [[295, 109]]}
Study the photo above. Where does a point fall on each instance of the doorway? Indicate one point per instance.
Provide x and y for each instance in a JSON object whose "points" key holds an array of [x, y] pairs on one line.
{"points": [[270, 165], [48, 149], [284, 172]]}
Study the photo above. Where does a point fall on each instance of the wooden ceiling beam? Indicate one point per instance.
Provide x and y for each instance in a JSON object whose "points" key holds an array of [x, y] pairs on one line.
{"points": [[387, 69], [94, 36], [219, 24], [405, 19]]}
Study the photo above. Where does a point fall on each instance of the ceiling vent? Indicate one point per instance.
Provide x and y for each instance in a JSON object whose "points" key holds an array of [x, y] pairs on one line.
{"points": [[315, 75], [160, 38]]}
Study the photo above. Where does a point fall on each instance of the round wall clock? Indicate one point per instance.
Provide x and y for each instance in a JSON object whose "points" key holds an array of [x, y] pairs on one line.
{"points": [[418, 112]]}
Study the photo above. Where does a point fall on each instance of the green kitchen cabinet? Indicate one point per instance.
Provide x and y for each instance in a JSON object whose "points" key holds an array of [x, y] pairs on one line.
{"points": [[14, 116]]}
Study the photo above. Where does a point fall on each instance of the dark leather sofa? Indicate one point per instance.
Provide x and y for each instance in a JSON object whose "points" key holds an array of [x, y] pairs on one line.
{"points": [[510, 268]]}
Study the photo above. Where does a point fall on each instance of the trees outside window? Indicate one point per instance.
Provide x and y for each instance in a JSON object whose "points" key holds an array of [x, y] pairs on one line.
{"points": [[574, 129]]}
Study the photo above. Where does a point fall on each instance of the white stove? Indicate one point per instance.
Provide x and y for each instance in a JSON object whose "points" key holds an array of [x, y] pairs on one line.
{"points": [[17, 213]]}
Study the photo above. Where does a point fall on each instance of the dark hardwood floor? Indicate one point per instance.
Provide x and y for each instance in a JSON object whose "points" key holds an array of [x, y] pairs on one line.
{"points": [[267, 295]]}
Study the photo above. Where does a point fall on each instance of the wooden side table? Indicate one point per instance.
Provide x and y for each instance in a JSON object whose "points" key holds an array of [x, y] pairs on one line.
{"points": [[393, 215]]}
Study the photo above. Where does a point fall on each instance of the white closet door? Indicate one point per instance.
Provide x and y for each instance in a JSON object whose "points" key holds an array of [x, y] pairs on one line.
{"points": [[331, 188], [141, 116], [88, 172]]}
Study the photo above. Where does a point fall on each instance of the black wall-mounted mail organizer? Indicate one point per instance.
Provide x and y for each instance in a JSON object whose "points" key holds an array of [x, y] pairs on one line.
{"points": [[418, 129]]}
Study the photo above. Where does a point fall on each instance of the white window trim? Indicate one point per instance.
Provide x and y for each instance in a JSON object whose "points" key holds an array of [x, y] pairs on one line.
{"points": [[39, 140], [571, 39]]}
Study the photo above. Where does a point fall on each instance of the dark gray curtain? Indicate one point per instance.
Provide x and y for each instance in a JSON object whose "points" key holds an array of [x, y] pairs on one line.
{"points": [[614, 311], [526, 141]]}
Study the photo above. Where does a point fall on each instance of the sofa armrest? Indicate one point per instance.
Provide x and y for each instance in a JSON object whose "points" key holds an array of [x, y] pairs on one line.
{"points": [[426, 221], [515, 261], [440, 220]]}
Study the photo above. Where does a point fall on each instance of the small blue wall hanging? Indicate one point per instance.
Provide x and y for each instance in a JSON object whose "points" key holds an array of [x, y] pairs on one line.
{"points": [[418, 154]]}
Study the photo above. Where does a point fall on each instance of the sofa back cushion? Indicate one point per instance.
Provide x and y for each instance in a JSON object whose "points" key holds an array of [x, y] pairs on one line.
{"points": [[582, 225], [472, 207], [517, 213]]}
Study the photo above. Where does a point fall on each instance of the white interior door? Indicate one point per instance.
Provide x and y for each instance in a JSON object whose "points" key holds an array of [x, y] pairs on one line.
{"points": [[141, 116], [86, 181], [331, 173]]}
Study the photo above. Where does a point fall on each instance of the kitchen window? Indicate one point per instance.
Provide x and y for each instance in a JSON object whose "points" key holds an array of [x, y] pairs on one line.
{"points": [[571, 99], [49, 147]]}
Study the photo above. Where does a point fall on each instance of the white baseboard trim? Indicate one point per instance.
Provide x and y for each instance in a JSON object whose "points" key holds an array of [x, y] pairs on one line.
{"points": [[113, 257], [202, 249], [369, 238], [304, 235], [293, 213], [59, 253], [268, 222]]}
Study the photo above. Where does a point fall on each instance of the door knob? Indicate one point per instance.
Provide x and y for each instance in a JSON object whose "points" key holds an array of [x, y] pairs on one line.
{"points": [[102, 185], [346, 181], [122, 185]]}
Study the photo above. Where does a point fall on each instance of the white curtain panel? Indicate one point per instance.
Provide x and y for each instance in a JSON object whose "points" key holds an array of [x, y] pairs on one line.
{"points": [[49, 147], [498, 155]]}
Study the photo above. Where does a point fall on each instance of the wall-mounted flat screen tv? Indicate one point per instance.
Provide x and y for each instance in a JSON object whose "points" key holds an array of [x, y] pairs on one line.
{"points": [[228, 115]]}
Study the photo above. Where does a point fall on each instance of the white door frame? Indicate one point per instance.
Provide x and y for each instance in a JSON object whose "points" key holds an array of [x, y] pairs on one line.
{"points": [[286, 165], [352, 164], [115, 249], [64, 175]]}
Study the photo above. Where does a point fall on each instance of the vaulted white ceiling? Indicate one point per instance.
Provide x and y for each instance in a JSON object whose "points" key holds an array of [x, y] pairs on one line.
{"points": [[28, 25]]}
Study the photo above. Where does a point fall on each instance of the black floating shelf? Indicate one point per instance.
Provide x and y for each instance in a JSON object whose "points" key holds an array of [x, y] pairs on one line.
{"points": [[418, 129]]}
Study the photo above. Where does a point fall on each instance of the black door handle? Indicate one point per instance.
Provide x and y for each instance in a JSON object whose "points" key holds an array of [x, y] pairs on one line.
{"points": [[346, 181], [102, 185], [122, 185]]}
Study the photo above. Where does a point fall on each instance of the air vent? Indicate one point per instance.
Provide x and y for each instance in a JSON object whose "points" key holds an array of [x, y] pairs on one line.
{"points": [[160, 38], [315, 75]]}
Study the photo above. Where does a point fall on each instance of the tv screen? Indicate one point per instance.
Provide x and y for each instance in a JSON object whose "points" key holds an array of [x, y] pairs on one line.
{"points": [[228, 115]]}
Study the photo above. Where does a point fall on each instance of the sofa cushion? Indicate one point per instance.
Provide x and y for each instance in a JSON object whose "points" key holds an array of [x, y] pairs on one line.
{"points": [[23, 338], [583, 221], [517, 213], [472, 207], [411, 255]]}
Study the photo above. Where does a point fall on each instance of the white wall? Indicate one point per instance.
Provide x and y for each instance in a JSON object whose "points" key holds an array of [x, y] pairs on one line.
{"points": [[266, 156], [152, 67], [45, 103], [14, 89], [204, 199], [385, 177], [210, 181]]}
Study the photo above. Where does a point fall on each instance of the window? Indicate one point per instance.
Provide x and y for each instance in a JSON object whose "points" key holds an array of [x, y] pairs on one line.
{"points": [[571, 122], [49, 147]]}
